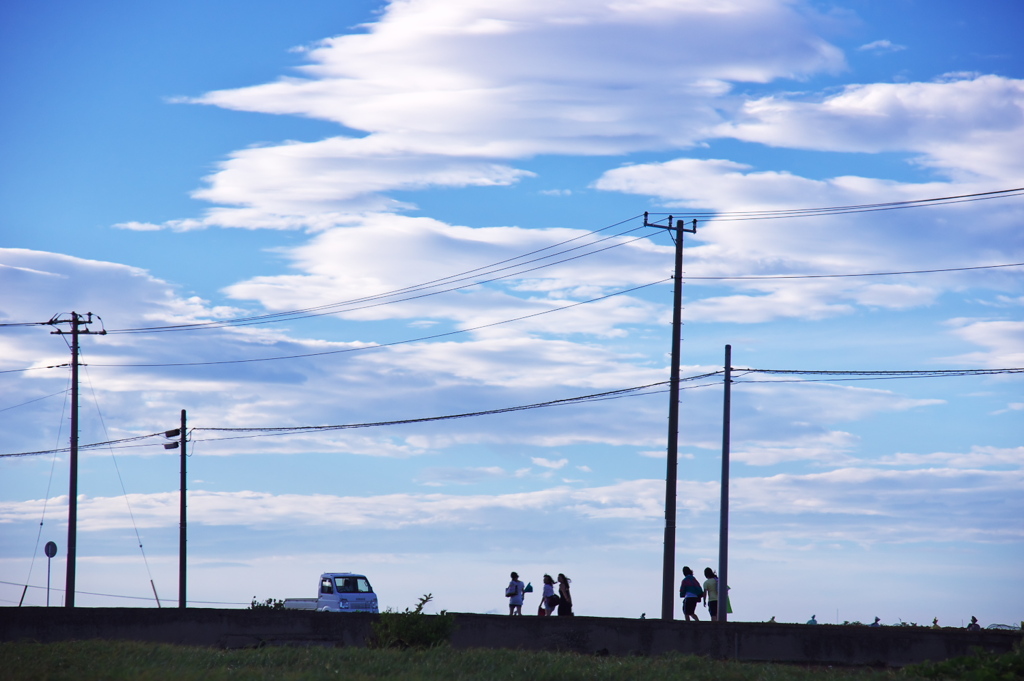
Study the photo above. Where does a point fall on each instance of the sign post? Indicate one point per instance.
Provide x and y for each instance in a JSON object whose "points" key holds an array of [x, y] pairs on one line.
{"points": [[51, 550]]}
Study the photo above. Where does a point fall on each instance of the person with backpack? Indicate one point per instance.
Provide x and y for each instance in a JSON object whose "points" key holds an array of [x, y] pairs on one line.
{"points": [[690, 591]]}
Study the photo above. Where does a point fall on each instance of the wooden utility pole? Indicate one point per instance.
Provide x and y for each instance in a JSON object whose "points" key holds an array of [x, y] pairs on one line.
{"points": [[182, 534], [671, 473], [77, 323], [181, 434]]}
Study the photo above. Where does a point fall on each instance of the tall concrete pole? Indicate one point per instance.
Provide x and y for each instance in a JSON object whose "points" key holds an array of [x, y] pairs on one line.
{"points": [[668, 569], [672, 465], [69, 583], [723, 531], [182, 533], [76, 320]]}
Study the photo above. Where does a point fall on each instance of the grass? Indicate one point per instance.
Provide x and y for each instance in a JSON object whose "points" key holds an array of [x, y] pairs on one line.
{"points": [[117, 660]]}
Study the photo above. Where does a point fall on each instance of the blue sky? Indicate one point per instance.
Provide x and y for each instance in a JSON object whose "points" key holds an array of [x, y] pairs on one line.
{"points": [[183, 164]]}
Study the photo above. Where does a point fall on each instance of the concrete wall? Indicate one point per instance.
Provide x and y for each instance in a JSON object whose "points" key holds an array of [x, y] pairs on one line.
{"points": [[744, 641]]}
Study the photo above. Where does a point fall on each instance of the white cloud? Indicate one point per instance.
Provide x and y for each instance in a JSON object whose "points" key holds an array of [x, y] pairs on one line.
{"points": [[444, 90], [344, 265], [438, 477], [978, 457], [826, 245], [881, 47], [831, 447], [548, 463], [431, 77], [871, 506], [863, 505], [969, 128], [1003, 341]]}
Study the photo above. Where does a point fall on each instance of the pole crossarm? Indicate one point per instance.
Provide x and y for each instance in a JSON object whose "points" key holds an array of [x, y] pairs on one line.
{"points": [[77, 321], [677, 227]]}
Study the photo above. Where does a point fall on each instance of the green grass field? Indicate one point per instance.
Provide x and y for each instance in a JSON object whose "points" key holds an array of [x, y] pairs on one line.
{"points": [[85, 660]]}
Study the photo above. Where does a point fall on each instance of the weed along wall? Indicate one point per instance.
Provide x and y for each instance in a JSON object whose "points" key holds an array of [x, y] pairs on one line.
{"points": [[743, 641]]}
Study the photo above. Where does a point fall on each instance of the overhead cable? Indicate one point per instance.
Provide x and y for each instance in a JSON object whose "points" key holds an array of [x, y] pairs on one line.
{"points": [[331, 308], [858, 274], [734, 216], [385, 345]]}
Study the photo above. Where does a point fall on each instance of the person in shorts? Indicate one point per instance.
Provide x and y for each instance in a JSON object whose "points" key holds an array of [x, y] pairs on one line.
{"points": [[514, 592], [690, 591]]}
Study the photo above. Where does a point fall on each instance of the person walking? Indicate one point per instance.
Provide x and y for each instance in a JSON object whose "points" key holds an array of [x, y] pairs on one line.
{"points": [[548, 598], [564, 597], [514, 592], [710, 595], [690, 591]]}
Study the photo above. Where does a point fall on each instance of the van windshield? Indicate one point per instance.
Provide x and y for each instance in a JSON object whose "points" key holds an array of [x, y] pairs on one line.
{"points": [[352, 585]]}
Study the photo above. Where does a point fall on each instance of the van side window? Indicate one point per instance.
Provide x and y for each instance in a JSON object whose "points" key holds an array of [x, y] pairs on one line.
{"points": [[325, 586]]}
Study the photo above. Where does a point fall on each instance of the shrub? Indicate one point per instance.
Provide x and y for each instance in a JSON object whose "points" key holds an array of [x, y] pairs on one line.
{"points": [[411, 628], [269, 604], [979, 666]]}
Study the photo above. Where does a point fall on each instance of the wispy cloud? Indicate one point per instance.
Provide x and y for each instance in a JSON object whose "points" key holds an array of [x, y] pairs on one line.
{"points": [[881, 47]]}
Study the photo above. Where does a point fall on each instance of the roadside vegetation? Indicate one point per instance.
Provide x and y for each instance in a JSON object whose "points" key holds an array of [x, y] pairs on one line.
{"points": [[123, 661], [980, 666], [411, 628]]}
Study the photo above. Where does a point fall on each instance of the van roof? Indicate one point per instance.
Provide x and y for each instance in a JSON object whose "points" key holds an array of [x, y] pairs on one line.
{"points": [[342, 574]]}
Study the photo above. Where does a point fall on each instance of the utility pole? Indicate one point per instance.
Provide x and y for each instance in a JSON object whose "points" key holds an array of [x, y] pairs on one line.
{"points": [[723, 525], [671, 473], [180, 433], [79, 324], [181, 526]]}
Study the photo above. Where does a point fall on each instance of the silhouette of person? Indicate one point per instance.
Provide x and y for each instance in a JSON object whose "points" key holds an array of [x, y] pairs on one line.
{"points": [[565, 598], [514, 592], [690, 591], [710, 595]]}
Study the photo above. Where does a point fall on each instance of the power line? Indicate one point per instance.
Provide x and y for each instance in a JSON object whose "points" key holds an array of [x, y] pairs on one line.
{"points": [[936, 373], [613, 394], [733, 216], [544, 312], [44, 397], [92, 445], [332, 308], [284, 430], [858, 274], [385, 345], [719, 216], [715, 215], [134, 598], [595, 397], [432, 337], [598, 397]]}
